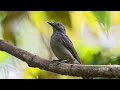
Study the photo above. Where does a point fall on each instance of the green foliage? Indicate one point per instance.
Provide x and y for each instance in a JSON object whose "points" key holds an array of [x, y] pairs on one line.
{"points": [[61, 16], [30, 31], [103, 17], [3, 56], [3, 14]]}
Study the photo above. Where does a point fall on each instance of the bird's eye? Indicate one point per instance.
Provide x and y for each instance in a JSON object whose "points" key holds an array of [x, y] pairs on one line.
{"points": [[58, 24]]}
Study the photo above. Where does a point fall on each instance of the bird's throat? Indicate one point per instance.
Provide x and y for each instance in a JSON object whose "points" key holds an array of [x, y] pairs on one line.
{"points": [[59, 31]]}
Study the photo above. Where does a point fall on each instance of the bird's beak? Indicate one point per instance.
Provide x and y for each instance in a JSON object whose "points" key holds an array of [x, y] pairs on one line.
{"points": [[51, 23]]}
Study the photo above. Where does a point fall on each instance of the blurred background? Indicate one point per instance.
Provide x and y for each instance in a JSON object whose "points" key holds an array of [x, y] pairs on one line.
{"points": [[95, 36]]}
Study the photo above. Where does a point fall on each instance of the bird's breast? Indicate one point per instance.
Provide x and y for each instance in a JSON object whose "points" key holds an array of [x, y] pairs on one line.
{"points": [[57, 46], [55, 41]]}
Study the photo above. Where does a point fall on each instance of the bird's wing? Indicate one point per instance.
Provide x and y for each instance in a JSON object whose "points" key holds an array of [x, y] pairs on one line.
{"points": [[68, 44]]}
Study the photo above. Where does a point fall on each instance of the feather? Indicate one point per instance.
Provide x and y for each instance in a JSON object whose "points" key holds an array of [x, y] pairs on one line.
{"points": [[68, 44]]}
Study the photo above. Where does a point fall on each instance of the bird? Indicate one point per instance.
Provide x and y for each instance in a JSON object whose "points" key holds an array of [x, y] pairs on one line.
{"points": [[61, 45]]}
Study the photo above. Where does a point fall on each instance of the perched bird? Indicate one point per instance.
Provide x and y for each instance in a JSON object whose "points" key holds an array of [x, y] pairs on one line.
{"points": [[62, 46]]}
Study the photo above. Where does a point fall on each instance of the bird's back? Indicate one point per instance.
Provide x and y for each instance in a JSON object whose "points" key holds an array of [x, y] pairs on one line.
{"points": [[60, 43], [68, 44]]}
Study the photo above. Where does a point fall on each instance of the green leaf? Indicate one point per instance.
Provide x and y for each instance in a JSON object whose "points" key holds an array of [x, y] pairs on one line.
{"points": [[3, 14], [3, 56], [103, 18]]}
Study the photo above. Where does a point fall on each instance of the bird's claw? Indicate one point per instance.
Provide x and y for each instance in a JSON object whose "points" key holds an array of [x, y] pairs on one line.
{"points": [[64, 61], [75, 62], [56, 62]]}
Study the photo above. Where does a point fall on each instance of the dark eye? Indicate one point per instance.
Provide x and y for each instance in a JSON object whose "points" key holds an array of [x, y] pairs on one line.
{"points": [[58, 24]]}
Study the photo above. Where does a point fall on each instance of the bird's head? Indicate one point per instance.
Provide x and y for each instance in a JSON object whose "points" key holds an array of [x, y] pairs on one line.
{"points": [[57, 26]]}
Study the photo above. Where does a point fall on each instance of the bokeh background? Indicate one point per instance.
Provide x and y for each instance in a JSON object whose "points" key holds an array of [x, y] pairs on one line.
{"points": [[95, 36]]}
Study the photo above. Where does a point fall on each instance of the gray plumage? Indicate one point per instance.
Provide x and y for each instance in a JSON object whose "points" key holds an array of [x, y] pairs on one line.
{"points": [[61, 45]]}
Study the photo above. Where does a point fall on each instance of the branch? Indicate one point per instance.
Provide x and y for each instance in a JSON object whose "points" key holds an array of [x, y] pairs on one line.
{"points": [[109, 71]]}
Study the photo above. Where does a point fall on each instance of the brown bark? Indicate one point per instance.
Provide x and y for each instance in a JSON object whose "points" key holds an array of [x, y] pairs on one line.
{"points": [[109, 71]]}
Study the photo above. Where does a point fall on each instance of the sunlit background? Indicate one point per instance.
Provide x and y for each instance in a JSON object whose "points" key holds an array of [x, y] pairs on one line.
{"points": [[95, 36]]}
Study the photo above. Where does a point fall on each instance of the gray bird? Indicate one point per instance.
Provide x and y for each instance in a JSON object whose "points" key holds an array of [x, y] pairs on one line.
{"points": [[61, 45]]}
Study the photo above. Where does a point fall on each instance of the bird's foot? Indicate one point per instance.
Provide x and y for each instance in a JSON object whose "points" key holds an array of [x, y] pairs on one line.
{"points": [[64, 61], [75, 62], [56, 62]]}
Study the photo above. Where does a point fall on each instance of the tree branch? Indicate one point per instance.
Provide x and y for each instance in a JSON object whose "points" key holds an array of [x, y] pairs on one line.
{"points": [[109, 71]]}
